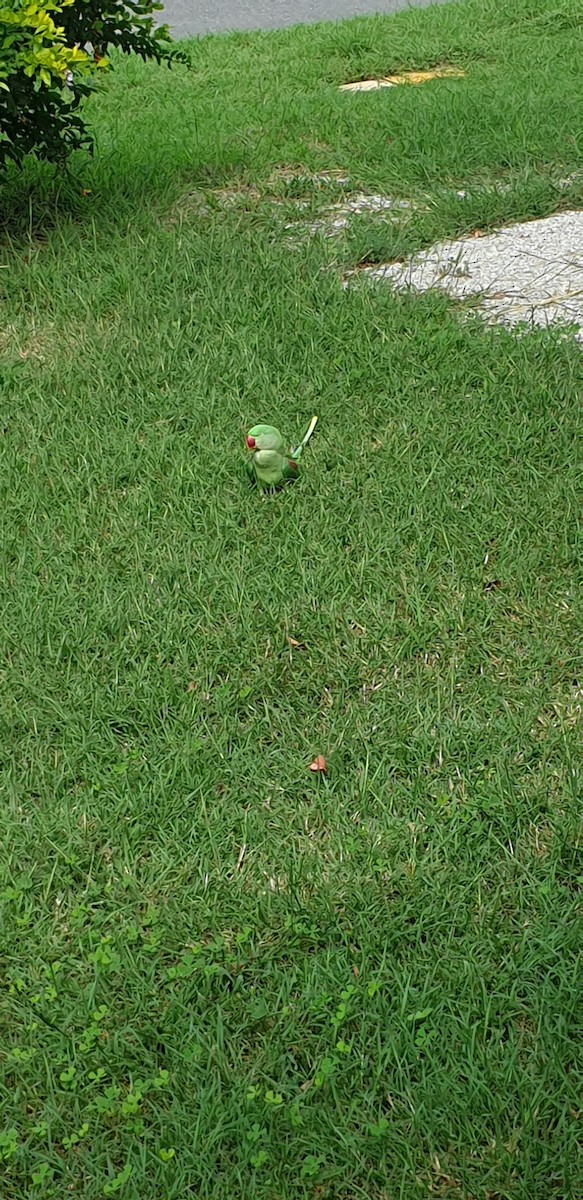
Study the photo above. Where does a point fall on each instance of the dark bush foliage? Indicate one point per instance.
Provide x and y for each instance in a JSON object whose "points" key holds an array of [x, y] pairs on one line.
{"points": [[51, 53]]}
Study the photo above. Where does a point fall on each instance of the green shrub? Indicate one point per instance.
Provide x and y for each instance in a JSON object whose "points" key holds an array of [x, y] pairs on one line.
{"points": [[51, 52]]}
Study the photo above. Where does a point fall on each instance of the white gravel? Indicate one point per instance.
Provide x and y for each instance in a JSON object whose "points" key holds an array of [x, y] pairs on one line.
{"points": [[338, 216], [530, 272]]}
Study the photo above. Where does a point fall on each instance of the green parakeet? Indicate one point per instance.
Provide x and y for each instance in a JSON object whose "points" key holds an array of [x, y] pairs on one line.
{"points": [[270, 464]]}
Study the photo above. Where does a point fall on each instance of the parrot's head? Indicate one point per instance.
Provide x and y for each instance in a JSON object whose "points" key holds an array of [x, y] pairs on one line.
{"points": [[264, 437]]}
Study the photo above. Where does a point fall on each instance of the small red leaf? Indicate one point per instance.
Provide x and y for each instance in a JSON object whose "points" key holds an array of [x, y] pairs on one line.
{"points": [[318, 766]]}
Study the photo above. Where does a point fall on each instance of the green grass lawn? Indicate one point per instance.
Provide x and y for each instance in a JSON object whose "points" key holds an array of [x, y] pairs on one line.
{"points": [[223, 976]]}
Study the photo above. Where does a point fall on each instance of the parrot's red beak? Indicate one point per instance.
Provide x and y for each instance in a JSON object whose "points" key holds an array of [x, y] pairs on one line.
{"points": [[250, 443]]}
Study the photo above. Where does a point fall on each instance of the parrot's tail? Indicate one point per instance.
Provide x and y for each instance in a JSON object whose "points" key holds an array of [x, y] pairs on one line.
{"points": [[296, 453]]}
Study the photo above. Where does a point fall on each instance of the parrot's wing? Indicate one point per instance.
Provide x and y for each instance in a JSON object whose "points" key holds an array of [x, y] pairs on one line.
{"points": [[290, 469]]}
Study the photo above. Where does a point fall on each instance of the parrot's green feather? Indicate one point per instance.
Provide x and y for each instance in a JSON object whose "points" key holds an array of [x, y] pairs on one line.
{"points": [[271, 468], [270, 465]]}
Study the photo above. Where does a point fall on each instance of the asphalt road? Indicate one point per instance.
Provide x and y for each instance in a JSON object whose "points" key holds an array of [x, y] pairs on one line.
{"points": [[189, 17]]}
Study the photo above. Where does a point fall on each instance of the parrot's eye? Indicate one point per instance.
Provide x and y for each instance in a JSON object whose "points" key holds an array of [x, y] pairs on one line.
{"points": [[250, 443]]}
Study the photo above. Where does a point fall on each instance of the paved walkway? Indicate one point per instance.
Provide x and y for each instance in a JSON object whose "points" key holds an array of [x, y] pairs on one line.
{"points": [[528, 272], [187, 17]]}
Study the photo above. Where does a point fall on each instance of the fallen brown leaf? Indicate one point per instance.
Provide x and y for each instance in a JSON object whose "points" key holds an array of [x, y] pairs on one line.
{"points": [[318, 766], [426, 76], [415, 77], [356, 628], [293, 642], [192, 686]]}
